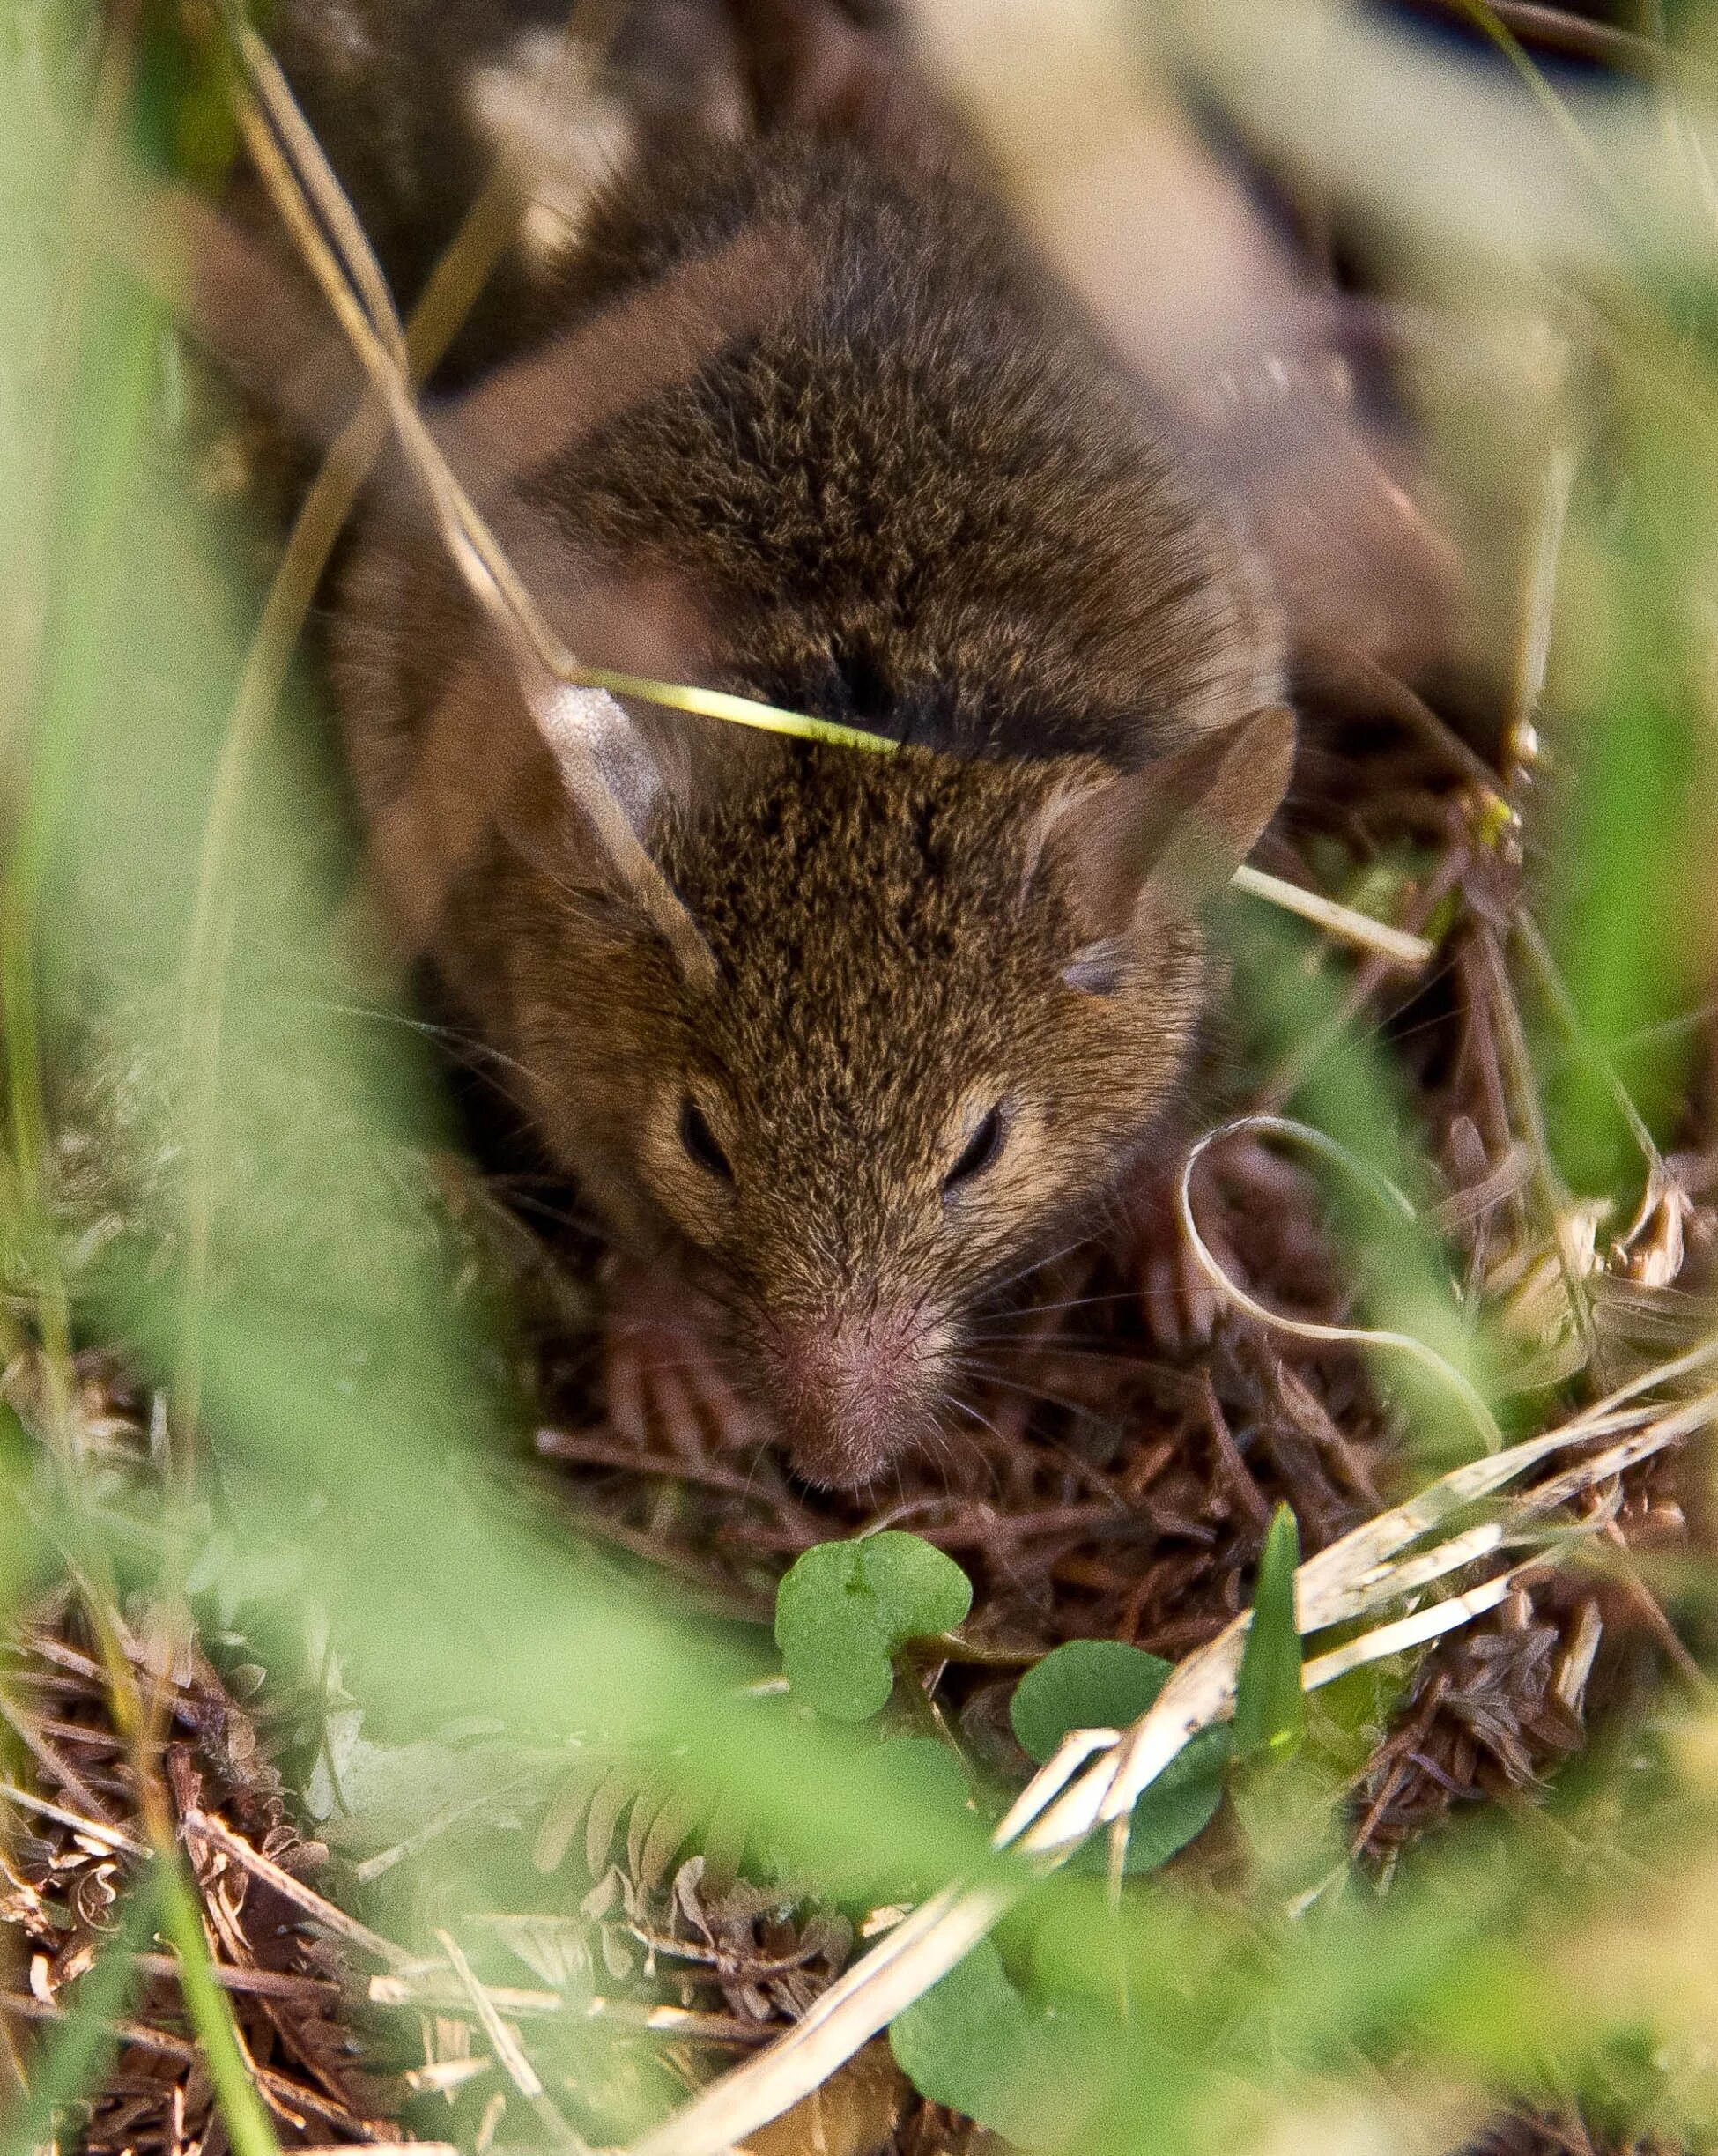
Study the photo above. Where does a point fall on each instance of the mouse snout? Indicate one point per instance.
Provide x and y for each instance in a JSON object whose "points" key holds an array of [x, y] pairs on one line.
{"points": [[856, 1388]]}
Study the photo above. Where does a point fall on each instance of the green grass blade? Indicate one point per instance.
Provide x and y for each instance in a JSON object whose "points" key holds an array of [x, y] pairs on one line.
{"points": [[1270, 1707], [210, 2014]]}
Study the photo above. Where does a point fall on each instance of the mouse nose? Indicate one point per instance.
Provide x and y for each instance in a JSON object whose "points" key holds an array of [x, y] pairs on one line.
{"points": [[857, 1387]]}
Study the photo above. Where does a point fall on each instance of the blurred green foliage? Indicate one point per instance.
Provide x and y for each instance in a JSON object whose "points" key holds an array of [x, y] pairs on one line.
{"points": [[278, 1256]]}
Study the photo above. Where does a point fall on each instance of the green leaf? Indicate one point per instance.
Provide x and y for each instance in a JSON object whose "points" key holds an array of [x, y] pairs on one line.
{"points": [[1270, 1707], [1087, 1684], [846, 1608], [1103, 1683], [968, 2042], [1018, 2063]]}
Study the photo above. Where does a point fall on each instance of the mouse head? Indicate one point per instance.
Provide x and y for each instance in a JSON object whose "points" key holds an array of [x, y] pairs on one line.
{"points": [[945, 1003]]}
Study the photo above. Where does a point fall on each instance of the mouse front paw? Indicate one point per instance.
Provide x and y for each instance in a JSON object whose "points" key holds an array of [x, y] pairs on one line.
{"points": [[664, 1376]]}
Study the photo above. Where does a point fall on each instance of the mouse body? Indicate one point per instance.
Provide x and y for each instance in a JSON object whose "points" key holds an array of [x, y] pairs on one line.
{"points": [[814, 425]]}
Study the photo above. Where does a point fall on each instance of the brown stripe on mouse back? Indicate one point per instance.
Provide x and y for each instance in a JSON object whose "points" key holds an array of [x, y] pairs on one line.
{"points": [[524, 419]]}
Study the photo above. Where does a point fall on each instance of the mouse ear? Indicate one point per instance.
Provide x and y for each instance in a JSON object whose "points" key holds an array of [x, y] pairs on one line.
{"points": [[615, 775], [653, 764], [626, 770], [597, 741], [601, 783], [1180, 827]]}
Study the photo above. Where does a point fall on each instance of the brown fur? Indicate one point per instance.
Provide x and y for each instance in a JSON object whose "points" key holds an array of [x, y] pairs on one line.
{"points": [[886, 480], [916, 497]]}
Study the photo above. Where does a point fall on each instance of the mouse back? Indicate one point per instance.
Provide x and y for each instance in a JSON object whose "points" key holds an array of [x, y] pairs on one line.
{"points": [[903, 490]]}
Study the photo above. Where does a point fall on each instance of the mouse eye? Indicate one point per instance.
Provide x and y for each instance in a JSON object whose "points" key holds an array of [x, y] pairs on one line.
{"points": [[700, 1141], [980, 1150]]}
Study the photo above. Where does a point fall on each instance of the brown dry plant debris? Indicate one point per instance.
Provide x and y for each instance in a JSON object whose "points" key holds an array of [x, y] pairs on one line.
{"points": [[69, 1859], [1543, 2133]]}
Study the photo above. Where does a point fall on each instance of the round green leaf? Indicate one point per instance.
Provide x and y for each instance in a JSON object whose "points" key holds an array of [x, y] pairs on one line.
{"points": [[968, 2040], [1087, 1684], [1017, 2063], [1179, 1804], [846, 1608], [1103, 1683]]}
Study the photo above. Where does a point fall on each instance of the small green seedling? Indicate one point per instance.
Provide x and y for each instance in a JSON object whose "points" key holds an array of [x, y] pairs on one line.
{"points": [[846, 1608], [1103, 1683], [1270, 1707]]}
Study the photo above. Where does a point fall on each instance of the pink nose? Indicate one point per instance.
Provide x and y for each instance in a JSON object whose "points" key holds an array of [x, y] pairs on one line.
{"points": [[857, 1390]]}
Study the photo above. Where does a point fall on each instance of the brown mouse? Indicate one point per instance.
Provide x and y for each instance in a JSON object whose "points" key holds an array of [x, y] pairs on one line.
{"points": [[814, 425]]}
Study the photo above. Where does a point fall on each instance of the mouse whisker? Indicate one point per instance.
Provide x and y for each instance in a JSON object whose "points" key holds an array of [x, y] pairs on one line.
{"points": [[1039, 1264], [946, 1457], [1086, 1471], [1026, 1311], [1036, 1393], [474, 1053], [955, 1466], [540, 1209]]}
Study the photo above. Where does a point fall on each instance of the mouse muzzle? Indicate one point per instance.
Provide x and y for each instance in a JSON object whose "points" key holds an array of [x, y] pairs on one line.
{"points": [[855, 1389]]}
